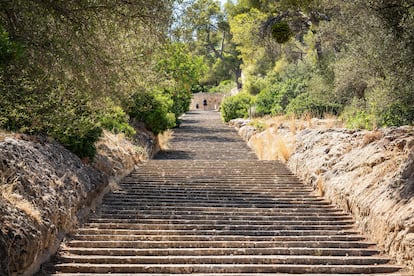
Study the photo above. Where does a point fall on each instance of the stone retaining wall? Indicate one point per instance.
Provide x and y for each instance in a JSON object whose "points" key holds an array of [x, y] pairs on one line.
{"points": [[213, 101]]}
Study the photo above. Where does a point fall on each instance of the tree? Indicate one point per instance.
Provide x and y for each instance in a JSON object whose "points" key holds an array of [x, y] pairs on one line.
{"points": [[205, 28], [62, 57]]}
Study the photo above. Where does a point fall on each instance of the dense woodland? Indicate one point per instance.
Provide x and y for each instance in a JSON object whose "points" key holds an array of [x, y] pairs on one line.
{"points": [[69, 69]]}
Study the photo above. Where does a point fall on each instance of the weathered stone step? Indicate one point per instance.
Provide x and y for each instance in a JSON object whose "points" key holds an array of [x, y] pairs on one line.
{"points": [[222, 274], [166, 210], [224, 204], [229, 221], [140, 216], [211, 198], [218, 244], [185, 196], [217, 227], [235, 259], [290, 192], [220, 251], [222, 268], [99, 236], [169, 193], [214, 232]]}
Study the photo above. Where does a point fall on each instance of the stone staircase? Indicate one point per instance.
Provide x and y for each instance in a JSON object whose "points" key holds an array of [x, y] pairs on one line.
{"points": [[208, 207]]}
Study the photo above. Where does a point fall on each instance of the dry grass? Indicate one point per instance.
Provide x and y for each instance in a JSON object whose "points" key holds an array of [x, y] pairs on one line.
{"points": [[321, 187], [307, 118], [372, 136], [164, 139], [6, 191], [292, 125], [283, 150], [270, 145]]}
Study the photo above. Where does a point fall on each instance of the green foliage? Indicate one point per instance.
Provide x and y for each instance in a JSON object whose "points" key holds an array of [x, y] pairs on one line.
{"points": [[397, 114], [353, 58], [224, 87], [61, 60], [79, 136], [182, 72], [275, 98], [9, 50], [258, 125], [357, 115], [281, 32], [116, 120], [237, 106], [308, 104], [154, 110]]}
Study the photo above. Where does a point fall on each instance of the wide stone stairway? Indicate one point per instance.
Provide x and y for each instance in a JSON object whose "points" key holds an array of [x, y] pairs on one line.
{"points": [[207, 206]]}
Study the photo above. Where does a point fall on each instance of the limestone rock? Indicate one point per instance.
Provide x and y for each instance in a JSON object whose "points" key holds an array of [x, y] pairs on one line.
{"points": [[45, 191]]}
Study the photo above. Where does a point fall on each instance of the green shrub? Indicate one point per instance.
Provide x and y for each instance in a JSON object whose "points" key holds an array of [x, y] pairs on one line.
{"points": [[9, 50], [115, 119], [316, 106], [71, 120], [236, 106], [154, 109], [397, 114], [224, 87], [357, 116], [258, 125], [274, 99], [79, 136]]}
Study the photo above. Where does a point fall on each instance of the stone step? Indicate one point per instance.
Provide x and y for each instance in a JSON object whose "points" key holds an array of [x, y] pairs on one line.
{"points": [[287, 193], [102, 236], [214, 232], [218, 244], [216, 211], [235, 259], [300, 251], [217, 227], [222, 220], [225, 205], [287, 208], [223, 268], [191, 198], [140, 216], [222, 274]]}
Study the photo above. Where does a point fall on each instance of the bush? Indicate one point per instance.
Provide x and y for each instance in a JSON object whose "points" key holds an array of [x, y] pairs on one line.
{"points": [[275, 98], [224, 87], [357, 116], [397, 114], [316, 106], [79, 136], [116, 120], [154, 109], [236, 106]]}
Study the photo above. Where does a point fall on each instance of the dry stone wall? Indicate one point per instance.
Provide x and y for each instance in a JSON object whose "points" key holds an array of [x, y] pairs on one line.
{"points": [[213, 101], [370, 174]]}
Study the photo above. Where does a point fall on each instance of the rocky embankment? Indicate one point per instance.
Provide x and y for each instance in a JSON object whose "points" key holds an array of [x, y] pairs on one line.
{"points": [[370, 174], [45, 191]]}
